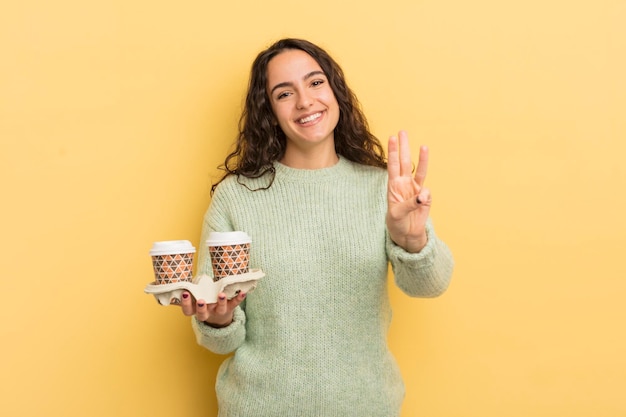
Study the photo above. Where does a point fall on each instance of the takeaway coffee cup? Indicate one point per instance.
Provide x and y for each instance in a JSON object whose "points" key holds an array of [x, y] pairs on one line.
{"points": [[230, 253], [172, 261]]}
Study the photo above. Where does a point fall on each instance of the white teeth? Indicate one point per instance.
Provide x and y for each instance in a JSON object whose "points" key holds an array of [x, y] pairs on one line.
{"points": [[310, 118]]}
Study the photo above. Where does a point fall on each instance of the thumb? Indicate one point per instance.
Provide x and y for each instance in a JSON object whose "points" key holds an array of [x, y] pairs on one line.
{"points": [[423, 199]]}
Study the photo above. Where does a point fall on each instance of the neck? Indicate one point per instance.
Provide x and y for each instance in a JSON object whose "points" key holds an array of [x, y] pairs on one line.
{"points": [[313, 159]]}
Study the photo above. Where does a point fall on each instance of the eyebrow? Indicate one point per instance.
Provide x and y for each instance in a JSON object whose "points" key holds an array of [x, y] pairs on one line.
{"points": [[289, 84]]}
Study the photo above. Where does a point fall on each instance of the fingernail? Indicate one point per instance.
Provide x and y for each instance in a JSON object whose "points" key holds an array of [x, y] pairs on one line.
{"points": [[185, 295], [222, 297], [418, 200], [200, 304]]}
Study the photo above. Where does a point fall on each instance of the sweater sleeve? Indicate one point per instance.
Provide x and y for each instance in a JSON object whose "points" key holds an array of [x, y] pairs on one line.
{"points": [[423, 274], [226, 339], [223, 340]]}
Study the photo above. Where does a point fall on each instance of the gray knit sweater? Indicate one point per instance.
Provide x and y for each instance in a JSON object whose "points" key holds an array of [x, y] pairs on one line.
{"points": [[311, 340]]}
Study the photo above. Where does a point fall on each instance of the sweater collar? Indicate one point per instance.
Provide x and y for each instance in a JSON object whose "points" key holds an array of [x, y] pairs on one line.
{"points": [[285, 173]]}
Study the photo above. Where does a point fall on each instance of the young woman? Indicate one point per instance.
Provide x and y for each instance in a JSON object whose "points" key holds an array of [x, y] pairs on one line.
{"points": [[309, 183]]}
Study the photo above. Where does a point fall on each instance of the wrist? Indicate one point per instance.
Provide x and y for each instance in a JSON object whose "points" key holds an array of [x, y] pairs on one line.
{"points": [[416, 245], [220, 325]]}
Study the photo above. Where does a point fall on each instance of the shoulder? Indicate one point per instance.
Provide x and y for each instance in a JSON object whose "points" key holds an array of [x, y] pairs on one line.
{"points": [[238, 184], [368, 173], [367, 169]]}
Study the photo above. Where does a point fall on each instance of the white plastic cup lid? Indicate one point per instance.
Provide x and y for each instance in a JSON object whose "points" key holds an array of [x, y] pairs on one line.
{"points": [[227, 238], [171, 247]]}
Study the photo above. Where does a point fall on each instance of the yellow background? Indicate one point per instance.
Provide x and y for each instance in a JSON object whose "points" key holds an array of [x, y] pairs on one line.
{"points": [[114, 115]]}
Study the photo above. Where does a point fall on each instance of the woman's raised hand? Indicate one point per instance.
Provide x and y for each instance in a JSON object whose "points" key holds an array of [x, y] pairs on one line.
{"points": [[408, 200]]}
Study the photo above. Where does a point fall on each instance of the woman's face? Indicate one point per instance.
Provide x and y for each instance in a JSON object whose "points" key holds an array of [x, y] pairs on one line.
{"points": [[302, 100]]}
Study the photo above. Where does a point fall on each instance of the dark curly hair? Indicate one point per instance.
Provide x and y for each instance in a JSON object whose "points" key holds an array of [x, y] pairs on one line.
{"points": [[261, 141]]}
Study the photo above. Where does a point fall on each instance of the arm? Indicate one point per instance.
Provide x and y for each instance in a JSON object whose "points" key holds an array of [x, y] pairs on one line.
{"points": [[227, 330], [422, 263]]}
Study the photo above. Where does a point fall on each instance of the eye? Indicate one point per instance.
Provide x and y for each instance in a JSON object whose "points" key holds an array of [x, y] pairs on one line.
{"points": [[317, 83], [283, 95]]}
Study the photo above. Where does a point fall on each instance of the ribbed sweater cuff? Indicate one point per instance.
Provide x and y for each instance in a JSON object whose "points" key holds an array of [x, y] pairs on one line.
{"points": [[221, 340], [420, 259], [426, 273]]}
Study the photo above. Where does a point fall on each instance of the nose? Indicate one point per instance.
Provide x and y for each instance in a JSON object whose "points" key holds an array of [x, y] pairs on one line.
{"points": [[304, 100]]}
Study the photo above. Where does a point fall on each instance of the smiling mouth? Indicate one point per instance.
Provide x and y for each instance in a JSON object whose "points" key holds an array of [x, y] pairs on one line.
{"points": [[310, 118]]}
